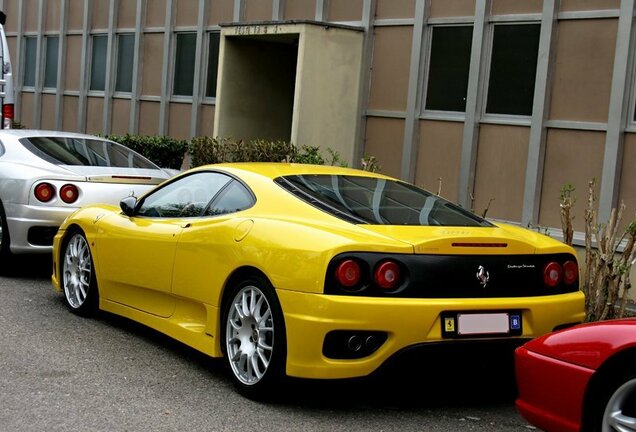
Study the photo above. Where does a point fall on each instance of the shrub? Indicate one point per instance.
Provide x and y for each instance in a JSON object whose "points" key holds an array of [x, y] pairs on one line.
{"points": [[606, 280], [164, 151], [207, 150]]}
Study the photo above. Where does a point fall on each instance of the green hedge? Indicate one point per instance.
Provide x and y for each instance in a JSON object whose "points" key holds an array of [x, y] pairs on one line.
{"points": [[169, 153], [164, 151]]}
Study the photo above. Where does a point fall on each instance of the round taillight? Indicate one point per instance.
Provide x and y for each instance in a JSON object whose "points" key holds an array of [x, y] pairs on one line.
{"points": [[348, 273], [44, 192], [387, 275], [69, 193], [552, 274], [570, 272]]}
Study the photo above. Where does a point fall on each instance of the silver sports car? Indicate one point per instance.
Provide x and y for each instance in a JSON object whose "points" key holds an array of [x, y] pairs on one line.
{"points": [[46, 175]]}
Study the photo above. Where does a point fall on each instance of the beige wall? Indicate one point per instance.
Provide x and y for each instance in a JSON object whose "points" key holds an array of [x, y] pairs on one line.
{"points": [[76, 19], [384, 136], [120, 116], [583, 70], [386, 9], [300, 10], [153, 63], [206, 120], [69, 120], [155, 13], [390, 69], [179, 127], [73, 58], [52, 19], [221, 11], [572, 157], [439, 156], [258, 10], [187, 12], [148, 118], [127, 10], [445, 8], [581, 5], [94, 115], [506, 7], [344, 10], [501, 170], [99, 14], [627, 191], [48, 114]]}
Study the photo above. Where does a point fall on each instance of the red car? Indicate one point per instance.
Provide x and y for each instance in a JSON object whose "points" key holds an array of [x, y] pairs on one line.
{"points": [[581, 378]]}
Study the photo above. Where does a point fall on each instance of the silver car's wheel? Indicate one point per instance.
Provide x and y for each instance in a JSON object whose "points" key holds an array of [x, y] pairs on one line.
{"points": [[254, 338], [78, 280], [620, 411]]}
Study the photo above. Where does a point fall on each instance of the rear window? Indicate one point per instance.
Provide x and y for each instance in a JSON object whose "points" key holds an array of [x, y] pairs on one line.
{"points": [[85, 152], [375, 201]]}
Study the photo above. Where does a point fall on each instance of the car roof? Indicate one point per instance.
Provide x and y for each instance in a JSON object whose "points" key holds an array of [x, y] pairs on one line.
{"points": [[273, 170], [26, 133]]}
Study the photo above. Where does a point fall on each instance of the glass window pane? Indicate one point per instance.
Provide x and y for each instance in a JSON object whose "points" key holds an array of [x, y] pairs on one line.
{"points": [[449, 67], [98, 63], [30, 53], [513, 68], [50, 66], [184, 64], [213, 64], [125, 57]]}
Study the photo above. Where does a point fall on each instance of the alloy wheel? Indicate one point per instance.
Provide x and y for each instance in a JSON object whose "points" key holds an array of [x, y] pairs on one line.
{"points": [[619, 413], [249, 335], [77, 270]]}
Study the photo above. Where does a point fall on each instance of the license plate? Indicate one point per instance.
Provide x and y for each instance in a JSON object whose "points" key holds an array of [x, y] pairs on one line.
{"points": [[474, 324]]}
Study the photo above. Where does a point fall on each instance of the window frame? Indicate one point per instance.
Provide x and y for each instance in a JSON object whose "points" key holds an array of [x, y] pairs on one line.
{"points": [[206, 59], [211, 201], [46, 38], [426, 67], [117, 48], [29, 87], [173, 71], [484, 82], [90, 67]]}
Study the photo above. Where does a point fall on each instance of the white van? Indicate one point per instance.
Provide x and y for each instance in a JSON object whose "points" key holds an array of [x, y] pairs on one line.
{"points": [[6, 79]]}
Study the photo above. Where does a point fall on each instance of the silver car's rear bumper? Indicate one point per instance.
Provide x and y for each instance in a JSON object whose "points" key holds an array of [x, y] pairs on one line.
{"points": [[23, 218]]}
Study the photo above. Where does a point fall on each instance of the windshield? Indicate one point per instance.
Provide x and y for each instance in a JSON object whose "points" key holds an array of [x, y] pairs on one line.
{"points": [[85, 152], [375, 201]]}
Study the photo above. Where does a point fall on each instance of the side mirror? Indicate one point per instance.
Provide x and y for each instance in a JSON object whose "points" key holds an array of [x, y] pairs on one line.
{"points": [[3, 18], [128, 205]]}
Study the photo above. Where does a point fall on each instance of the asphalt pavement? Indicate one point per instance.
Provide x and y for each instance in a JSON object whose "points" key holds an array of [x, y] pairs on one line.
{"points": [[60, 372]]}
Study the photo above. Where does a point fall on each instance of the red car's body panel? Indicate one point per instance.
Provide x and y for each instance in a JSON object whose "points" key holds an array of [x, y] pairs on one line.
{"points": [[553, 371], [550, 391]]}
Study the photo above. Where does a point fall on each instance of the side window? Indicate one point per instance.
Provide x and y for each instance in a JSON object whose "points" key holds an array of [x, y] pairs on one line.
{"points": [[513, 68], [448, 68], [184, 64], [98, 62], [232, 199], [125, 57], [186, 197], [30, 55], [213, 64], [50, 63]]}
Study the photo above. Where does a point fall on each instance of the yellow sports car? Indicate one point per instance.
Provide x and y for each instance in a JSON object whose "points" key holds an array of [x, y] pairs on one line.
{"points": [[311, 271]]}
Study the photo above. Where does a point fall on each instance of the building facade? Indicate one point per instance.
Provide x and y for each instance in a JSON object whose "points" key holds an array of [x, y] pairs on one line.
{"points": [[498, 103]]}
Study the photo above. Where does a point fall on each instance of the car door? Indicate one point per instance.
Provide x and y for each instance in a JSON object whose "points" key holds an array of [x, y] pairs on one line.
{"points": [[136, 254], [209, 248]]}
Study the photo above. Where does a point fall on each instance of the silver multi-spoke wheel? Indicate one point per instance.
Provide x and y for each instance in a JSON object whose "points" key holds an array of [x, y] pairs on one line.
{"points": [[616, 417], [77, 271], [249, 335]]}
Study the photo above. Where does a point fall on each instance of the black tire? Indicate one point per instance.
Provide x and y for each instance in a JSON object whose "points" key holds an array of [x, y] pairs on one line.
{"points": [[6, 257], [253, 338], [77, 277], [615, 404]]}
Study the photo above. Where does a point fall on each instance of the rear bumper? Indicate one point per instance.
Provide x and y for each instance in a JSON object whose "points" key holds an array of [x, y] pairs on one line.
{"points": [[38, 219], [550, 391], [406, 323]]}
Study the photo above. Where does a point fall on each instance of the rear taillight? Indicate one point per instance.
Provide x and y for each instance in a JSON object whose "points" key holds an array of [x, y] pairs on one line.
{"points": [[44, 192], [570, 272], [69, 193], [387, 275], [7, 114], [348, 273], [552, 274]]}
